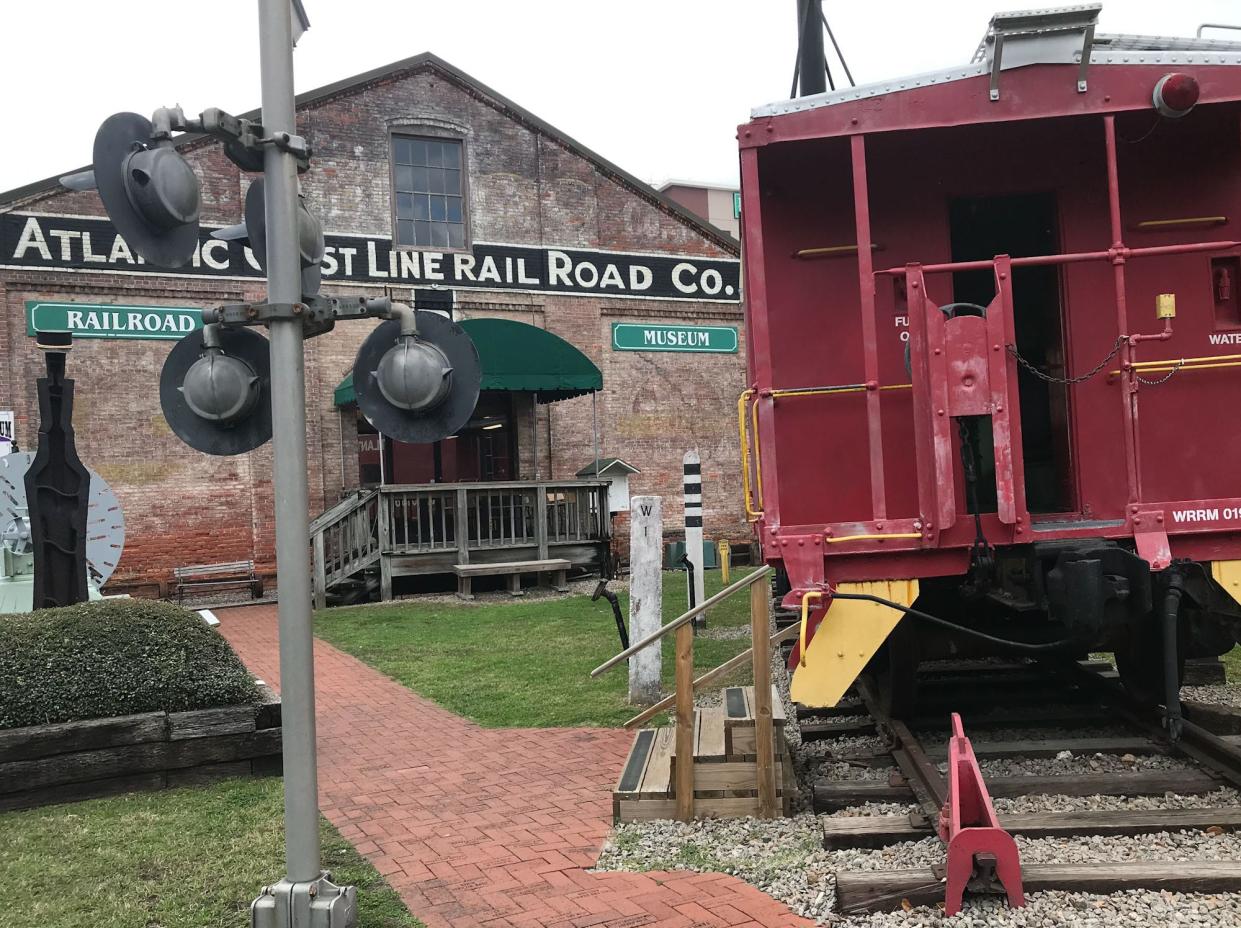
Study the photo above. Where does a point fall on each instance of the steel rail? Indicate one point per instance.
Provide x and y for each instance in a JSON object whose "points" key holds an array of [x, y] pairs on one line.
{"points": [[1216, 760], [1197, 743], [921, 773]]}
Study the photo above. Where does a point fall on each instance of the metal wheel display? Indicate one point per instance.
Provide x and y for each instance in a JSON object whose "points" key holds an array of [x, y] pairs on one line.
{"points": [[105, 523]]}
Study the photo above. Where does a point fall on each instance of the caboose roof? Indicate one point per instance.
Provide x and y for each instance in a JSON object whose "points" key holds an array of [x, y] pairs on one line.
{"points": [[1051, 36]]}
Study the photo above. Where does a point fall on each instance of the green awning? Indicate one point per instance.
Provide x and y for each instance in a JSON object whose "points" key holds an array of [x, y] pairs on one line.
{"points": [[521, 358], [343, 395]]}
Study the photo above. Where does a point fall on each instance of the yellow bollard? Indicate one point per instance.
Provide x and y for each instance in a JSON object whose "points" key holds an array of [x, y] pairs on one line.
{"points": [[725, 550]]}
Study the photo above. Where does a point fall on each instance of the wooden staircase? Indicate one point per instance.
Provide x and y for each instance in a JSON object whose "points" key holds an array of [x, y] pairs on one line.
{"points": [[725, 764]]}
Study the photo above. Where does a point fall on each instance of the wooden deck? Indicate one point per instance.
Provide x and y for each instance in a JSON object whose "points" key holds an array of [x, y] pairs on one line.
{"points": [[417, 529]]}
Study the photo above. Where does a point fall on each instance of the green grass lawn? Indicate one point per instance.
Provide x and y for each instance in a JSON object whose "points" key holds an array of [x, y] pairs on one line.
{"points": [[521, 663], [183, 858]]}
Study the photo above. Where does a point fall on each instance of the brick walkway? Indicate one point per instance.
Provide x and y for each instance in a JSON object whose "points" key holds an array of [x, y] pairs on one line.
{"points": [[484, 827]]}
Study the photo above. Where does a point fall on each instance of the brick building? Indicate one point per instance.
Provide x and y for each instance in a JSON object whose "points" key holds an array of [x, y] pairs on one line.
{"points": [[719, 204], [429, 186]]}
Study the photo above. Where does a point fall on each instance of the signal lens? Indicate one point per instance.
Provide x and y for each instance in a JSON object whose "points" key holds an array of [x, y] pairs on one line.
{"points": [[1175, 95]]}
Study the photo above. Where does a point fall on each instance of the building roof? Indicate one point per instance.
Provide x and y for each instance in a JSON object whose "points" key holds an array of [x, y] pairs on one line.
{"points": [[697, 185], [607, 467], [430, 62]]}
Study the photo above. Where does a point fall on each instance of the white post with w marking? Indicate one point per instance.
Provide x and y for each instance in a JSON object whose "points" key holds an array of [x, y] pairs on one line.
{"points": [[692, 484], [646, 595]]}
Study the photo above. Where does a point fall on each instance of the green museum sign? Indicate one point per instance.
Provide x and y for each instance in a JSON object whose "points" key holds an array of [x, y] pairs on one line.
{"points": [[108, 320], [642, 336]]}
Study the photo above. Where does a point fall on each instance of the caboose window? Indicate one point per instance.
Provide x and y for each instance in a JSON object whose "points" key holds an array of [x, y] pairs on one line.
{"points": [[429, 191]]}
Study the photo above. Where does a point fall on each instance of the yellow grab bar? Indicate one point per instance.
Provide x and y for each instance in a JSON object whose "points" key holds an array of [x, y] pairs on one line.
{"points": [[751, 514], [1187, 221], [844, 388], [805, 615], [758, 459], [835, 541], [1209, 358], [1212, 360], [1188, 367]]}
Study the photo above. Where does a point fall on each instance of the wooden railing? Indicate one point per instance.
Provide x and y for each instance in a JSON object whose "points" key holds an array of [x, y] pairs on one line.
{"points": [[759, 654], [453, 520], [345, 539], [427, 517]]}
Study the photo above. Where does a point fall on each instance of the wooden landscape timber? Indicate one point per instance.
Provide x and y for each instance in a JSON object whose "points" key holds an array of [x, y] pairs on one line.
{"points": [[885, 890], [68, 761], [844, 793], [881, 830]]}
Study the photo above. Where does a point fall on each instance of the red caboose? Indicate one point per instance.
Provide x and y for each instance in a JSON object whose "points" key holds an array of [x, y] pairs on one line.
{"points": [[994, 347]]}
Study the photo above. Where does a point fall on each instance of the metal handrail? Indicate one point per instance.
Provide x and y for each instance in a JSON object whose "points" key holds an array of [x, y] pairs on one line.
{"points": [[743, 583], [709, 676], [750, 494], [1112, 254]]}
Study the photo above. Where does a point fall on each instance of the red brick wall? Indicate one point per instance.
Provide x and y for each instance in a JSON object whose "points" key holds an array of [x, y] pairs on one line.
{"points": [[524, 188]]}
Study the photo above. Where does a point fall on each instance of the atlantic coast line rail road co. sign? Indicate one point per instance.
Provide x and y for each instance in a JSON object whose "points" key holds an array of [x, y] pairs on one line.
{"points": [[79, 244]]}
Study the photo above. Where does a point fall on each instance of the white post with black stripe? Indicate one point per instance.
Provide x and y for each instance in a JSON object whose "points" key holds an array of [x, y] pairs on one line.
{"points": [[692, 483]]}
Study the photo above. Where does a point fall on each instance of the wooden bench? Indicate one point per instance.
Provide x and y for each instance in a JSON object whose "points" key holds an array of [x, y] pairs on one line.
{"points": [[230, 575], [513, 570]]}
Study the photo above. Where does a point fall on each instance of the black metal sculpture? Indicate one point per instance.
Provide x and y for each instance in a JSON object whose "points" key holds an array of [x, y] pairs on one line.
{"points": [[57, 487]]}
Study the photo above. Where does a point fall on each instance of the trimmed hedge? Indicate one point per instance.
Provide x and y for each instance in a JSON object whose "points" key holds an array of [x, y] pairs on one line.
{"points": [[114, 657]]}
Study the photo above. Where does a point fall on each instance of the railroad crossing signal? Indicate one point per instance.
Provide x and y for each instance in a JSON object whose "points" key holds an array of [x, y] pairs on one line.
{"points": [[149, 190], [253, 233], [226, 390], [417, 376]]}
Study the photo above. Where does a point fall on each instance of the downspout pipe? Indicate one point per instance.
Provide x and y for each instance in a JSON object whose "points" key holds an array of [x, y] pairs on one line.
{"points": [[602, 590]]}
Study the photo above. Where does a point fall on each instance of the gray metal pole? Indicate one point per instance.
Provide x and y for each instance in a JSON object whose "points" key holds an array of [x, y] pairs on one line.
{"points": [[288, 389], [811, 60]]}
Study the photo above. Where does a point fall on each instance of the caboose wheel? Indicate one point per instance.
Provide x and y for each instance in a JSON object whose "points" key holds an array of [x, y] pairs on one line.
{"points": [[895, 670], [1139, 661]]}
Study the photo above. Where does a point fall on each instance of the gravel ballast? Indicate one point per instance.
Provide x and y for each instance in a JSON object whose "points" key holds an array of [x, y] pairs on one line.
{"points": [[786, 859], [1222, 694]]}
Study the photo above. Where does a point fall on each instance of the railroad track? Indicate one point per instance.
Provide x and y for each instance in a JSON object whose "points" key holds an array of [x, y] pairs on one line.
{"points": [[1019, 702]]}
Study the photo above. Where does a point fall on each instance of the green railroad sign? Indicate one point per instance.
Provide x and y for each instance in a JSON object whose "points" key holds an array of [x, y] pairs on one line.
{"points": [[109, 320], [643, 336]]}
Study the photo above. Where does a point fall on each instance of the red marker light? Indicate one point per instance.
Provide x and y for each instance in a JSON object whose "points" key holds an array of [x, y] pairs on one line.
{"points": [[1175, 95]]}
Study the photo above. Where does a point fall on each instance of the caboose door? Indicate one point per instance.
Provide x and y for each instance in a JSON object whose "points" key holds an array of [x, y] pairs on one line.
{"points": [[1021, 225]]}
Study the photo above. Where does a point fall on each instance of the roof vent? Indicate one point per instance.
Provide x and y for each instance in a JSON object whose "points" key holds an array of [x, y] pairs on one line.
{"points": [[1023, 37]]}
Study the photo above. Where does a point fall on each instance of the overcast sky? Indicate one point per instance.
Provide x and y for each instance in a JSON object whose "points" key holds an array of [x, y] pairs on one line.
{"points": [[657, 86]]}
